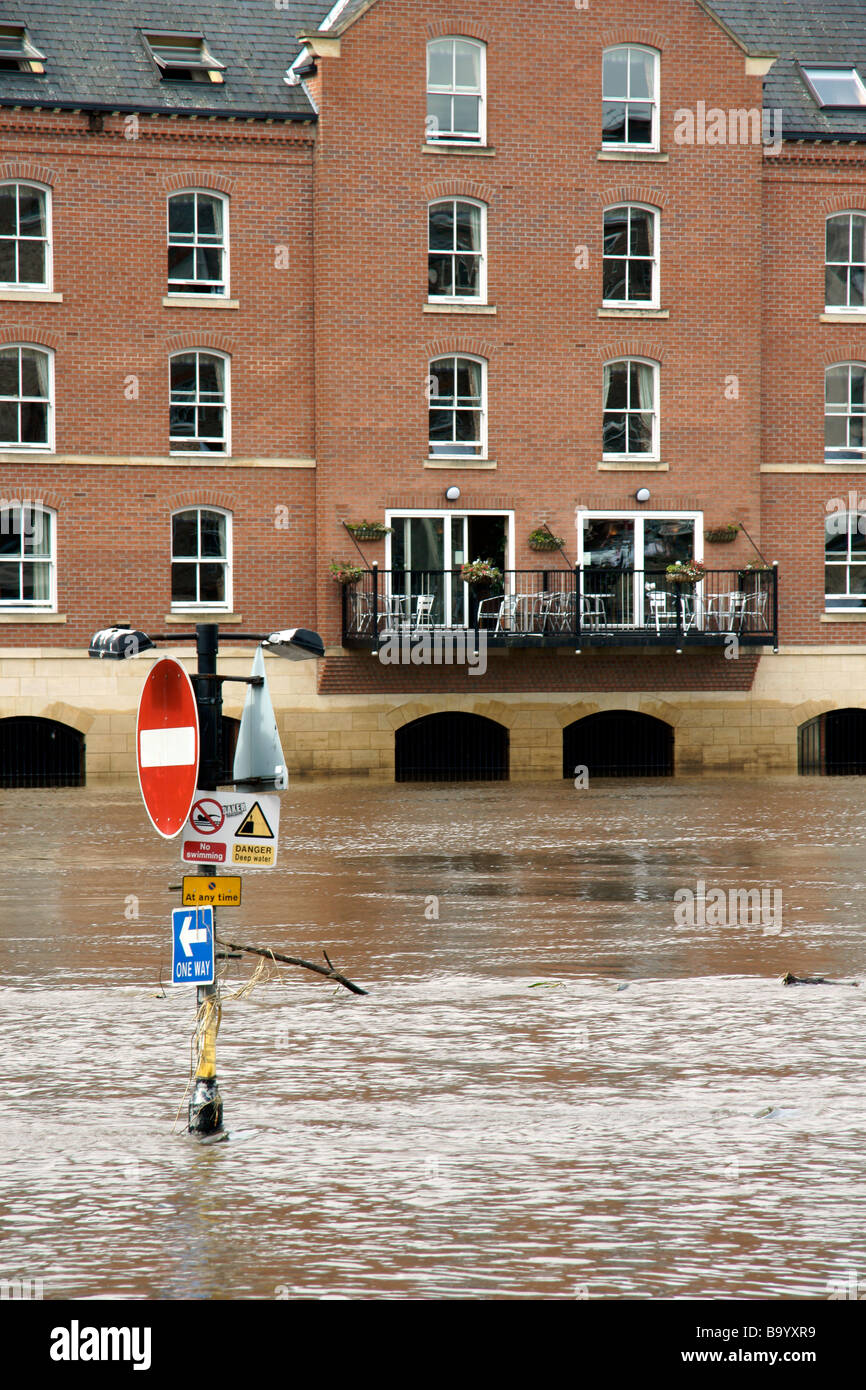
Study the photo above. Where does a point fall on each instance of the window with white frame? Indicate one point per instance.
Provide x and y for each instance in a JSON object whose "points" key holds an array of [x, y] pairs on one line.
{"points": [[457, 269], [25, 246], [198, 243], [199, 413], [25, 398], [630, 97], [845, 412], [27, 556], [630, 264], [457, 392], [201, 558], [455, 91], [845, 561], [836, 86], [846, 261], [631, 413]]}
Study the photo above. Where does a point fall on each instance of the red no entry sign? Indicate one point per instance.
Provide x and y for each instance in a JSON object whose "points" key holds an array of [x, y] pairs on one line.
{"points": [[167, 746]]}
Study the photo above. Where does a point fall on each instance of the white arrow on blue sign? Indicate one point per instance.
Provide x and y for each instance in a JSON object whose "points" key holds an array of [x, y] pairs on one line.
{"points": [[192, 946]]}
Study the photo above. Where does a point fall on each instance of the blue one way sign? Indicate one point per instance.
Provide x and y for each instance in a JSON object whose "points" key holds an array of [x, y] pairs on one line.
{"points": [[192, 951]]}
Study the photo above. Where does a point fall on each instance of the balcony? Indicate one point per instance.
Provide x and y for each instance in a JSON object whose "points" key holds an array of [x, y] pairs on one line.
{"points": [[566, 608]]}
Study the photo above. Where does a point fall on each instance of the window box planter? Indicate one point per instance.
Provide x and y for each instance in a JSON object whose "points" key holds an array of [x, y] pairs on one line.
{"points": [[480, 572], [722, 535], [346, 573], [690, 573], [544, 540]]}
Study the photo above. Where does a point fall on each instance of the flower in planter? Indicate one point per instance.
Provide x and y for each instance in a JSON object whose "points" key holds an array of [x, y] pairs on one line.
{"points": [[754, 567], [688, 572], [542, 539], [719, 535], [368, 530], [480, 572], [345, 572]]}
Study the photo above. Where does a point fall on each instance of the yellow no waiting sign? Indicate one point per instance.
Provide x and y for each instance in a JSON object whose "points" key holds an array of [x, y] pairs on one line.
{"points": [[212, 892]]}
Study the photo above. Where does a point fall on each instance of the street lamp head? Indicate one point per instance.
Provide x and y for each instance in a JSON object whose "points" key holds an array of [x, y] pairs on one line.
{"points": [[118, 643], [295, 643]]}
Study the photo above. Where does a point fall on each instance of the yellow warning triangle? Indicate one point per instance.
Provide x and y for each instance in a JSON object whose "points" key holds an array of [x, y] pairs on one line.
{"points": [[255, 824]]}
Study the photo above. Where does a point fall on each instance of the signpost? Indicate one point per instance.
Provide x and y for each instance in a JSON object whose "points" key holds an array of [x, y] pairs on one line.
{"points": [[192, 955], [167, 746]]}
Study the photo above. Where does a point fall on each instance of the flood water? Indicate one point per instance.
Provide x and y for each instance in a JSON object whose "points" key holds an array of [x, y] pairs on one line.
{"points": [[553, 1090]]}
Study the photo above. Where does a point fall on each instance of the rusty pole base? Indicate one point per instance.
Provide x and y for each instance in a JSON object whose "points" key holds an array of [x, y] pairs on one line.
{"points": [[205, 1107]]}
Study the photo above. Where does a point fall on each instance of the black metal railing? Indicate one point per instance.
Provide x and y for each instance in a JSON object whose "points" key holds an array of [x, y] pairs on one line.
{"points": [[561, 607]]}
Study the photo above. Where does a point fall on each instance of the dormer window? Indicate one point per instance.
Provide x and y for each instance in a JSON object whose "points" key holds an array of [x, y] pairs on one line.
{"points": [[836, 87], [17, 53], [184, 58]]}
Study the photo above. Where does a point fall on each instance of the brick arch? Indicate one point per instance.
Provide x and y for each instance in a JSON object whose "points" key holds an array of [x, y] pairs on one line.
{"points": [[202, 497], [201, 341], [459, 188], [842, 202], [855, 351], [632, 33], [630, 347], [24, 169], [471, 347], [28, 333], [611, 197], [52, 501], [198, 178], [79, 719], [461, 28]]}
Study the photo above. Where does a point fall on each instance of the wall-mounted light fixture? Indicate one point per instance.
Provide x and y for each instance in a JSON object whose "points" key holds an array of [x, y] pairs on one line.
{"points": [[642, 494], [452, 494]]}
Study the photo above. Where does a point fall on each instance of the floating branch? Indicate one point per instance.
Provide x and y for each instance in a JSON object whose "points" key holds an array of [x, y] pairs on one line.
{"points": [[329, 974], [790, 979]]}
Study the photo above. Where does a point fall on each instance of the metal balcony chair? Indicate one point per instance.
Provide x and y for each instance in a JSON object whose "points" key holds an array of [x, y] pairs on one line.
{"points": [[423, 617]]}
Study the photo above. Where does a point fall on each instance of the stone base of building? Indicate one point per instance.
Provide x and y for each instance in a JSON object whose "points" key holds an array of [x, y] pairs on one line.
{"points": [[750, 732]]}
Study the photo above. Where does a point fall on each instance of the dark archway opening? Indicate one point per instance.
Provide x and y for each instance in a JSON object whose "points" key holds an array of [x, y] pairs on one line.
{"points": [[452, 748], [833, 744], [619, 743], [40, 753]]}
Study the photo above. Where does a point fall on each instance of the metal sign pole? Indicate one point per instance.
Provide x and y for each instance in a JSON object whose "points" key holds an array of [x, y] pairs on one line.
{"points": [[205, 1106]]}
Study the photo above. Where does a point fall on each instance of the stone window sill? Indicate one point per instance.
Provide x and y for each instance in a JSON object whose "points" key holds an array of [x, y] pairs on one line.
{"points": [[841, 467], [459, 462], [837, 316], [199, 301], [855, 616], [454, 148], [633, 313], [460, 309], [642, 156], [202, 615], [32, 296], [633, 466], [36, 616]]}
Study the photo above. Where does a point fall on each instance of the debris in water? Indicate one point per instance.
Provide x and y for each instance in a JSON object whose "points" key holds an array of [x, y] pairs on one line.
{"points": [[790, 979]]}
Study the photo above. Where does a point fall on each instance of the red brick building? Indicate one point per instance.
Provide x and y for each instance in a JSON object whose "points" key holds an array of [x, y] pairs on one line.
{"points": [[579, 271]]}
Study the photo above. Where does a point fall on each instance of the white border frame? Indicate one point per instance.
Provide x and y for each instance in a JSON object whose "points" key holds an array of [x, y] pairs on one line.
{"points": [[205, 297], [227, 376], [194, 606], [48, 286], [29, 605], [654, 145]]}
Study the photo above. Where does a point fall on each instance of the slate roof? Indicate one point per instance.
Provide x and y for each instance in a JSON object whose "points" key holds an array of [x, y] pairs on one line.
{"points": [[804, 31], [95, 57]]}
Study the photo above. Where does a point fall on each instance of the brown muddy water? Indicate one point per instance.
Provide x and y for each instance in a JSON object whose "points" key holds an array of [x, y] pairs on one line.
{"points": [[501, 1117]]}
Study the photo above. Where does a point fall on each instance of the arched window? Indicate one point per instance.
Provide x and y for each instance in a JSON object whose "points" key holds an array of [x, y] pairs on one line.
{"points": [[845, 559], [458, 407], [455, 91], [630, 97], [27, 556], [845, 271], [199, 417], [631, 412], [25, 236], [201, 545], [457, 261], [198, 243], [26, 398], [845, 411], [631, 267]]}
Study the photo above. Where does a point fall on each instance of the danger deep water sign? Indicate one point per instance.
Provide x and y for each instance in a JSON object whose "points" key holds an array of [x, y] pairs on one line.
{"points": [[232, 828]]}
